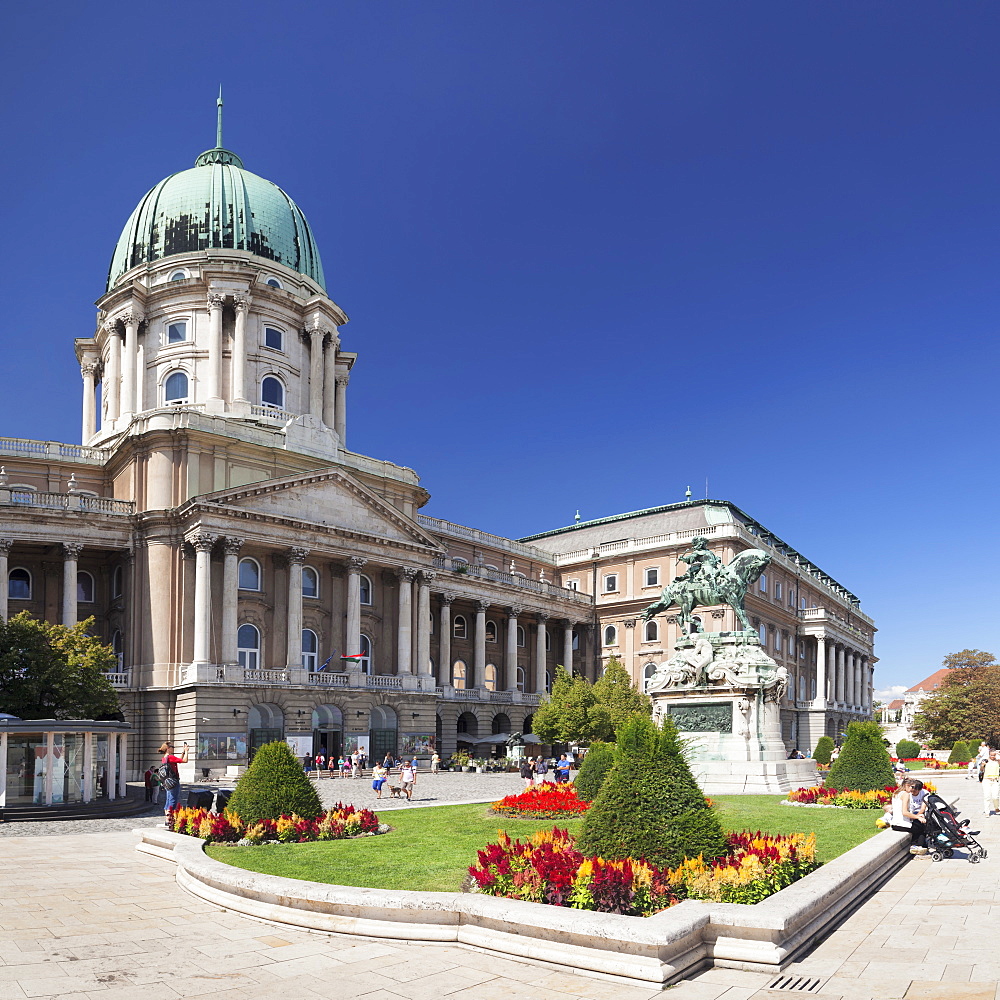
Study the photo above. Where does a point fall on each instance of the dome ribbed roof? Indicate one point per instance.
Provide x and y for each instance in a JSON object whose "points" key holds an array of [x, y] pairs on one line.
{"points": [[217, 204]]}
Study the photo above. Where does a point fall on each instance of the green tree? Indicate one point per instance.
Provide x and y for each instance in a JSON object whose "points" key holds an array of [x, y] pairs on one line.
{"points": [[274, 785], [54, 672], [650, 806], [580, 712], [968, 701], [907, 749], [824, 747], [864, 763], [594, 769]]}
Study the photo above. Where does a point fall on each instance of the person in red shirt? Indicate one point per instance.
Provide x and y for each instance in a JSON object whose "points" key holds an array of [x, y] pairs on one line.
{"points": [[173, 778]]}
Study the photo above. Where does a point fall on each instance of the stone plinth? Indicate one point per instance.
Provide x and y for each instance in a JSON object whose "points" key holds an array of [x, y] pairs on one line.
{"points": [[723, 693]]}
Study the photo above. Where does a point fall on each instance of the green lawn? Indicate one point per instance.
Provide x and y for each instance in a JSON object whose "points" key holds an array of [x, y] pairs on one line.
{"points": [[433, 848]]}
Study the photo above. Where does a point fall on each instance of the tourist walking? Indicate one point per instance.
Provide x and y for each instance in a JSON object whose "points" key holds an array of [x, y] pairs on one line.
{"points": [[905, 815], [355, 765], [541, 770], [435, 762], [379, 777], [168, 776], [407, 778], [528, 771], [991, 783]]}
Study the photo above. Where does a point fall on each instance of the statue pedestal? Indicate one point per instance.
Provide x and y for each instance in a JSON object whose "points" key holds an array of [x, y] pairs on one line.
{"points": [[724, 693]]}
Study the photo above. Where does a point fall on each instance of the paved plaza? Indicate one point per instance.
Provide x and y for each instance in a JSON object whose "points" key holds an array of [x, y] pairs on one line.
{"points": [[86, 915]]}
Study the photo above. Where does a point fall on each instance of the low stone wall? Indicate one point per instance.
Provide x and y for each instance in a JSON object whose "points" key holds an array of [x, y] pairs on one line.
{"points": [[654, 950]]}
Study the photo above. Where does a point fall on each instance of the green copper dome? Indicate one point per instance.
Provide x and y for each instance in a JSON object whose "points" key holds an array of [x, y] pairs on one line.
{"points": [[219, 205]]}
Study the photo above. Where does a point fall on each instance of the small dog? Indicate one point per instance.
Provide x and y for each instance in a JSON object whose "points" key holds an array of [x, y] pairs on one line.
{"points": [[395, 792]]}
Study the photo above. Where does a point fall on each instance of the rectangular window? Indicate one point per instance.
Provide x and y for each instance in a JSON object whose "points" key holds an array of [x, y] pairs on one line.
{"points": [[762, 633], [763, 583], [177, 333], [791, 597], [777, 590], [777, 642], [273, 338], [802, 603], [653, 576], [611, 583]]}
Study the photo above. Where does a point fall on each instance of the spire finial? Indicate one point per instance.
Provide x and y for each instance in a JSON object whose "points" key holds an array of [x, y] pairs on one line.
{"points": [[687, 493], [218, 127]]}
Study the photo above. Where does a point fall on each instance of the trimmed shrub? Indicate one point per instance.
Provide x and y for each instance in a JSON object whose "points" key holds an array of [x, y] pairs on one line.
{"points": [[907, 750], [274, 786], [959, 753], [650, 807], [594, 770], [864, 763], [824, 747]]}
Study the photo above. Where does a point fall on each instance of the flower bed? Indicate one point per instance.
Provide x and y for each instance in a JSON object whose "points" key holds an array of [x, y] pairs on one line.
{"points": [[545, 801], [549, 869], [820, 795], [338, 823]]}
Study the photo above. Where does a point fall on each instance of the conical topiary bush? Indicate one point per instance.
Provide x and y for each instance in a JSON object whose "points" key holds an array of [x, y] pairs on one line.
{"points": [[864, 763], [594, 770], [959, 753], [274, 785], [824, 747], [650, 806]]}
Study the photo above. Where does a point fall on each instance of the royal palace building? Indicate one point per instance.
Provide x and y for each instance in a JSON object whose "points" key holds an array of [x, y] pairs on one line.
{"points": [[259, 580]]}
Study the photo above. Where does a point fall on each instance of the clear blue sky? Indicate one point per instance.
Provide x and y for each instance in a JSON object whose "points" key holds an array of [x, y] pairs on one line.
{"points": [[593, 252]]}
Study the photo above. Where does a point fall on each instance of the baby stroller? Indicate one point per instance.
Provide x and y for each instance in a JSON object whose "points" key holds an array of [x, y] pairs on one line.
{"points": [[945, 832]]}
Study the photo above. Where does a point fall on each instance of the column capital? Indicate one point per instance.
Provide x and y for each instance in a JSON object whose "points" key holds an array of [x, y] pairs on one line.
{"points": [[233, 545], [131, 317], [5, 544], [201, 541], [111, 326], [544, 616], [515, 611], [483, 606], [357, 562], [88, 369], [343, 380], [242, 302], [216, 300], [71, 550], [406, 574], [296, 554], [427, 577], [449, 597], [629, 623]]}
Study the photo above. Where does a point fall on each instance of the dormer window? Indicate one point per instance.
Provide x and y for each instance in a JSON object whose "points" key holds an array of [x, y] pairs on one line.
{"points": [[177, 332], [178, 276], [274, 283], [274, 339]]}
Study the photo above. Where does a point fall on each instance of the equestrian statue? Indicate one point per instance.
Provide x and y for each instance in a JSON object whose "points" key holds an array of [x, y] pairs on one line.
{"points": [[707, 582]]}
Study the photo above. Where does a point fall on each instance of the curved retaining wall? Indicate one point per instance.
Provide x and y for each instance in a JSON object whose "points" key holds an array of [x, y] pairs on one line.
{"points": [[637, 950]]}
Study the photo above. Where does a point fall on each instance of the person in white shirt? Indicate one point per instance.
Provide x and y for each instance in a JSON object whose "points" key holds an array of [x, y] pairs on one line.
{"points": [[408, 778]]}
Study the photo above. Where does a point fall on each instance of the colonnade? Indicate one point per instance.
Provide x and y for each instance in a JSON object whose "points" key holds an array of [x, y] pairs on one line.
{"points": [[120, 369], [843, 675], [70, 567]]}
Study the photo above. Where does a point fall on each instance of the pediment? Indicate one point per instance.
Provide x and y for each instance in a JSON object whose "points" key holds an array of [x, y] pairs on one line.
{"points": [[329, 499]]}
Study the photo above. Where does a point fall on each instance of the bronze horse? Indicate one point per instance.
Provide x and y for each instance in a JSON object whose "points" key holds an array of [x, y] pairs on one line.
{"points": [[725, 585]]}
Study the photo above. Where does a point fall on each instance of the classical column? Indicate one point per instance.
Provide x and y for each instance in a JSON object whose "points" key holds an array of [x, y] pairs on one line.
{"points": [[352, 638], [330, 381], [821, 669], [852, 694], [444, 650], [230, 598], [404, 628], [89, 372], [112, 765], [424, 622], [540, 657], [568, 647], [838, 672], [510, 657], [316, 336], [238, 361], [202, 544], [340, 407], [296, 557], [214, 380], [131, 361], [113, 371], [859, 693], [71, 552], [5, 544], [479, 647], [122, 765]]}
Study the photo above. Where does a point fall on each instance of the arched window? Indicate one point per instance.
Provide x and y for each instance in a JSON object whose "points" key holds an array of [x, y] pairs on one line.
{"points": [[459, 628], [118, 649], [272, 392], [309, 646], [520, 678], [652, 631], [178, 275], [491, 677], [610, 635], [468, 724], [328, 719], [365, 663], [117, 582], [365, 589], [762, 634], [274, 283], [84, 587], [19, 585], [647, 674], [548, 640], [521, 637], [249, 574], [548, 682], [491, 631], [175, 388], [458, 674], [501, 724], [576, 640], [310, 582], [248, 646]]}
